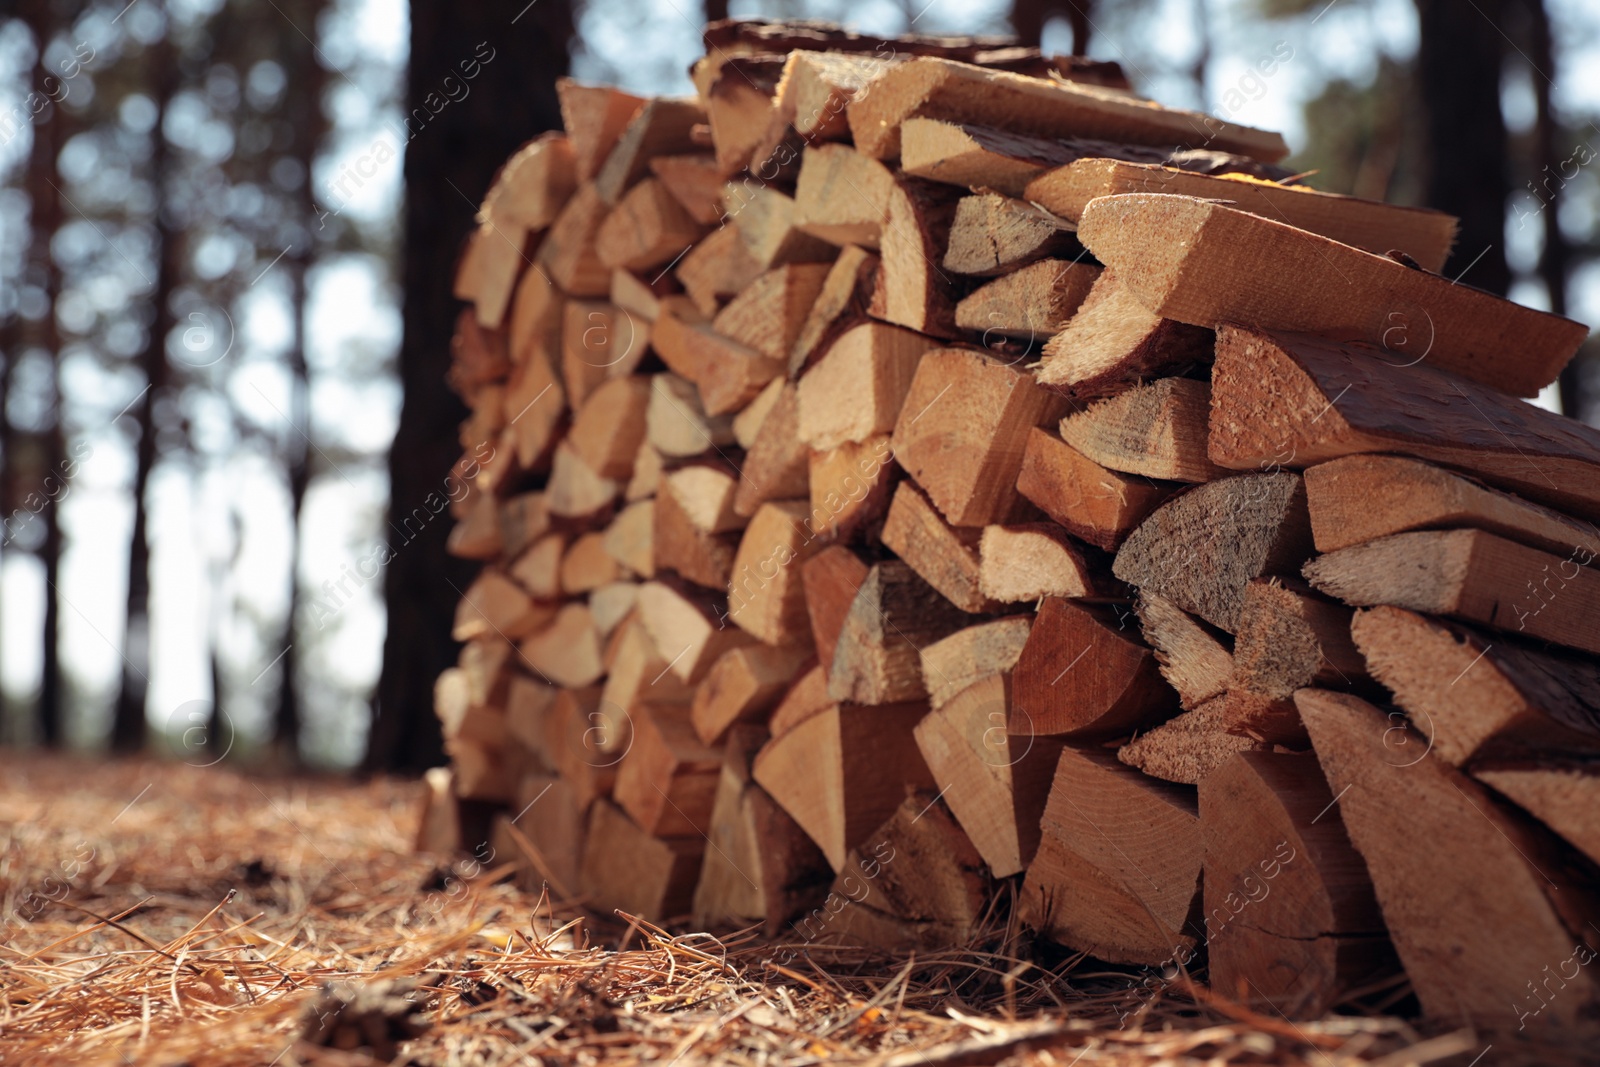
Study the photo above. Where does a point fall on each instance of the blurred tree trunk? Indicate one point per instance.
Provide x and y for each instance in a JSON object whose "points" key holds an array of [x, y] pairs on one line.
{"points": [[1028, 19], [1458, 78], [716, 10], [128, 726], [451, 157]]}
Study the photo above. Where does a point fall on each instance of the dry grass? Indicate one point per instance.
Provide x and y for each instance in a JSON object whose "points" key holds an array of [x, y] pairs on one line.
{"points": [[157, 913]]}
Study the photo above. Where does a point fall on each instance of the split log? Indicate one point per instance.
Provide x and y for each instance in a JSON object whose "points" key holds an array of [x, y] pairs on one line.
{"points": [[944, 556], [1201, 548], [661, 127], [846, 292], [728, 374], [638, 673], [742, 686], [1187, 747], [1100, 506], [630, 539], [439, 829], [842, 196], [695, 181], [587, 566], [1081, 674], [1474, 914], [598, 341], [647, 229], [534, 332], [859, 387], [489, 267], [963, 429], [1031, 302], [680, 544], [1363, 498], [676, 424], [528, 704], [1564, 795], [535, 403], [716, 269], [765, 221], [1424, 235], [705, 492], [668, 779], [538, 569], [689, 627], [1471, 696], [849, 487], [806, 697], [968, 656], [831, 580], [584, 739], [957, 92], [1022, 563], [1113, 343], [1296, 400], [1290, 916], [649, 877], [910, 289], [1473, 576], [523, 520], [815, 89], [1158, 430], [610, 426], [993, 234], [1290, 638], [567, 254], [534, 184], [768, 314], [477, 535], [494, 604], [611, 603], [738, 92], [777, 465], [1118, 868], [594, 117], [747, 424], [549, 829], [995, 782], [841, 772], [766, 597], [1181, 258], [895, 613], [576, 490], [568, 650]]}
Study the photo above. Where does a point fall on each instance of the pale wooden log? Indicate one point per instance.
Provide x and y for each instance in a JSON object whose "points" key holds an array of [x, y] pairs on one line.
{"points": [[647, 229], [846, 292], [895, 613], [534, 329], [765, 221], [841, 771], [534, 405], [1470, 695], [944, 556], [1473, 576], [599, 341], [638, 674], [649, 877], [1285, 400], [630, 538], [610, 426], [611, 603], [768, 314], [743, 685], [482, 772], [549, 833], [705, 491], [842, 196], [1113, 343], [668, 780], [567, 253], [1426, 236], [747, 424], [1563, 795], [1290, 638], [523, 520], [1201, 548], [1291, 920], [489, 269], [1194, 659], [1158, 430], [1100, 506], [477, 535], [538, 570], [678, 334], [969, 656], [528, 704], [1031, 302], [945, 89], [484, 662], [587, 566], [995, 782], [1024, 562], [695, 181], [1362, 498], [849, 487], [478, 356], [963, 429], [993, 234], [716, 269], [1473, 913], [1205, 264], [1118, 867], [661, 127], [689, 627], [806, 696], [1083, 674], [534, 184], [568, 650], [777, 466], [831, 580], [737, 91], [677, 426], [1188, 747], [575, 489], [594, 116], [816, 87], [584, 740], [766, 597], [439, 829], [494, 604], [856, 391], [678, 544], [911, 290]]}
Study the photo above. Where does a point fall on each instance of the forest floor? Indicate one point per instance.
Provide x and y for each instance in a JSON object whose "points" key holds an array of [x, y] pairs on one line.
{"points": [[165, 914]]}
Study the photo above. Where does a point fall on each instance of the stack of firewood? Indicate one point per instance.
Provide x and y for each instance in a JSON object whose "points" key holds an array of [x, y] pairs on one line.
{"points": [[915, 463]]}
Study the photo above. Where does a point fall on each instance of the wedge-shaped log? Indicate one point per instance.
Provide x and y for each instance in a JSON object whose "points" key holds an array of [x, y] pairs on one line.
{"points": [[649, 877], [1201, 548], [1195, 660], [911, 289], [945, 89], [995, 782], [534, 184], [859, 387], [646, 230], [766, 597], [1289, 638], [842, 771], [766, 223], [768, 314], [1290, 915], [716, 269], [595, 115], [610, 426], [895, 613], [1206, 264], [1083, 674], [1157, 430], [1021, 563], [1564, 795], [743, 686], [1117, 873], [1031, 302], [1425, 235], [660, 127], [969, 656], [547, 831], [695, 181], [850, 487], [677, 425], [568, 650], [777, 465], [1188, 747], [963, 429], [842, 303], [567, 255], [678, 543], [1473, 912], [993, 234], [496, 605], [668, 779], [1293, 400], [688, 627], [944, 556], [1115, 342], [1473, 576], [831, 578], [1471, 695], [842, 196], [1094, 503]]}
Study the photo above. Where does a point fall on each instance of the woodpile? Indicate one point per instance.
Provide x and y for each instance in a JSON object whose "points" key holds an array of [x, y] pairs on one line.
{"points": [[912, 464]]}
